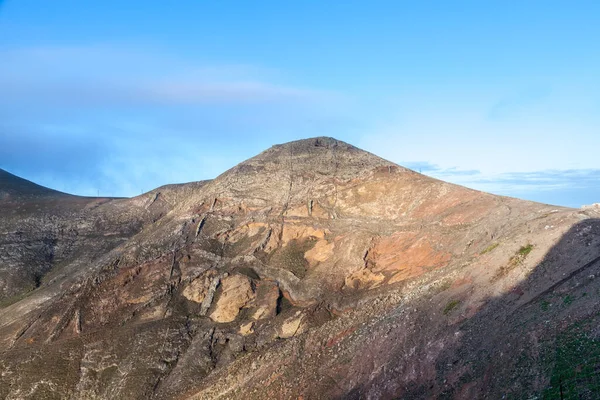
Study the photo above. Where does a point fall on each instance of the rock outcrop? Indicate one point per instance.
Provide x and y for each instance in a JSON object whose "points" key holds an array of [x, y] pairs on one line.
{"points": [[236, 292]]}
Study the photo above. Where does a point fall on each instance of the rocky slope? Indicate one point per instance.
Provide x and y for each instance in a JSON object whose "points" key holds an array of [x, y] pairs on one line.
{"points": [[314, 270]]}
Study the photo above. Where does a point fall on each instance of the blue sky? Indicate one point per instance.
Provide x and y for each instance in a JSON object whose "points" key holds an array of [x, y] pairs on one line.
{"points": [[121, 97]]}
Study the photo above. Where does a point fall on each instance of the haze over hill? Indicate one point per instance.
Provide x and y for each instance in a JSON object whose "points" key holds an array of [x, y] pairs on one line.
{"points": [[313, 270]]}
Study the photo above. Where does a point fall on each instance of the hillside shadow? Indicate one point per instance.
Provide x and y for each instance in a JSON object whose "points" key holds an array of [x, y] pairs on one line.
{"points": [[540, 340]]}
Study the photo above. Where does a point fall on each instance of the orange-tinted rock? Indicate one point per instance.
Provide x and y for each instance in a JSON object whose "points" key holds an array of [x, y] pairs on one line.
{"points": [[406, 255], [317, 211], [247, 328], [235, 292], [321, 251], [292, 326], [296, 232], [197, 289]]}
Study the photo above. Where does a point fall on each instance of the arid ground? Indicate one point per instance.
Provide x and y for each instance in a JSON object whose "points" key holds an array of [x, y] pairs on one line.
{"points": [[314, 270]]}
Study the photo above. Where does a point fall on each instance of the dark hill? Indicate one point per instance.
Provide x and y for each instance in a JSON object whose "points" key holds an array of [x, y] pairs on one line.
{"points": [[13, 186]]}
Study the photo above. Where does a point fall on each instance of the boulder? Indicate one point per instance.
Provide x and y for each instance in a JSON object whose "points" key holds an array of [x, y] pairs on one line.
{"points": [[236, 291]]}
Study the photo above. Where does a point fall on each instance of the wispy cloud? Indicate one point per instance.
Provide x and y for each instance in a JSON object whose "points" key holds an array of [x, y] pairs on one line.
{"points": [[541, 180], [231, 92], [102, 75]]}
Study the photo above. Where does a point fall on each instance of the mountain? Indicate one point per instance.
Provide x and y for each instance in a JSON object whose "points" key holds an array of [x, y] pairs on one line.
{"points": [[314, 270]]}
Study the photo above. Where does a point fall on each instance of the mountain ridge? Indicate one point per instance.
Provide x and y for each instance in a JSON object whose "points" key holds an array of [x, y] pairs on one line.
{"points": [[17, 185], [313, 269]]}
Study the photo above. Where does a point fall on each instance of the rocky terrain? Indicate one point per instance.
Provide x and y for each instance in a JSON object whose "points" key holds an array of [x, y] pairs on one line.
{"points": [[314, 270]]}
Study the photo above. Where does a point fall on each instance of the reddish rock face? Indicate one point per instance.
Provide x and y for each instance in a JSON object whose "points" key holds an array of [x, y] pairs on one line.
{"points": [[406, 255], [313, 270]]}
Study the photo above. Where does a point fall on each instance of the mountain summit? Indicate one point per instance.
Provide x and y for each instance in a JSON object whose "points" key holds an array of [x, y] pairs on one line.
{"points": [[313, 270]]}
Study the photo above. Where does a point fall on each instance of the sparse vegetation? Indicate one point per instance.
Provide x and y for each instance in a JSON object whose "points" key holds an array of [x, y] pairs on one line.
{"points": [[545, 305], [520, 255], [490, 248], [452, 304], [568, 299], [515, 260], [291, 257], [574, 366], [525, 250]]}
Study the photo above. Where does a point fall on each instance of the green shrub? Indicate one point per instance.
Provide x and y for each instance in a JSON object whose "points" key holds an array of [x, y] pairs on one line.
{"points": [[525, 250], [545, 305], [489, 248], [452, 304]]}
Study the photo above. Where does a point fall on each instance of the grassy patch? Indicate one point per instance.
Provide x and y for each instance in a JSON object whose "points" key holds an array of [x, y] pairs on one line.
{"points": [[525, 250], [490, 248], [452, 304], [520, 255], [291, 257], [515, 260], [568, 299]]}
